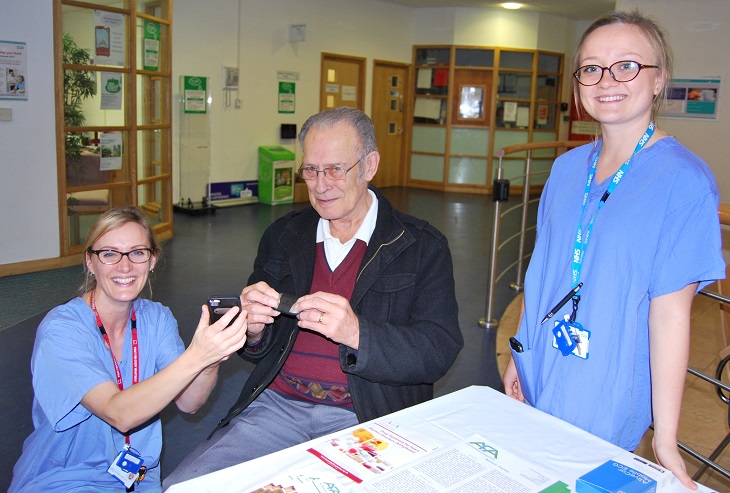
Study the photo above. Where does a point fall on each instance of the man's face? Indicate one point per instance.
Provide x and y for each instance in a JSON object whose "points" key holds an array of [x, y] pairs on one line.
{"points": [[344, 202]]}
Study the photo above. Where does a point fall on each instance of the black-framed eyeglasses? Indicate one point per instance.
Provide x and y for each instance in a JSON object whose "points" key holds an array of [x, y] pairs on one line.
{"points": [[623, 71], [110, 257], [336, 172]]}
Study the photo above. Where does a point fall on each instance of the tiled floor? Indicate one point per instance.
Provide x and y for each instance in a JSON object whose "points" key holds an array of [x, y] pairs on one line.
{"points": [[704, 416]]}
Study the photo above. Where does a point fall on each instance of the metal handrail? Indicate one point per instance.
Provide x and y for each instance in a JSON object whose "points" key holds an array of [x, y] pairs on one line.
{"points": [[710, 461], [489, 321]]}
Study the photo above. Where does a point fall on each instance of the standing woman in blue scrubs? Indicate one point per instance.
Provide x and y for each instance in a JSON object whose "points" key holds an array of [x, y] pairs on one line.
{"points": [[106, 363], [627, 233]]}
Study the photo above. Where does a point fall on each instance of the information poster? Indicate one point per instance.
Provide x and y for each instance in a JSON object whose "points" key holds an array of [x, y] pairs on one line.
{"points": [[195, 94], [111, 90], [693, 98], [109, 38], [287, 97], [111, 151], [13, 70], [151, 45]]}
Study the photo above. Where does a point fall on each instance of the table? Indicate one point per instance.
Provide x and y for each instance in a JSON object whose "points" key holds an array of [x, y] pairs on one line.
{"points": [[559, 448]]}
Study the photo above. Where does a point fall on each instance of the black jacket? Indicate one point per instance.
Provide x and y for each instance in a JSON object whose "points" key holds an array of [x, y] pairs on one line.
{"points": [[404, 298]]}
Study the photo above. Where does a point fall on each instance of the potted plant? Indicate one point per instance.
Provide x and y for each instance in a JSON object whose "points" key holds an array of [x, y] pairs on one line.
{"points": [[78, 85]]}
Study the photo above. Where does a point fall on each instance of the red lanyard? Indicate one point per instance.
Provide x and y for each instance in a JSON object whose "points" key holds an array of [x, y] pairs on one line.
{"points": [[135, 350]]}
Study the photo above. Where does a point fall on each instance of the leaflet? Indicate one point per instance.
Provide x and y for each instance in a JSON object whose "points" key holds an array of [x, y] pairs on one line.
{"points": [[372, 450], [472, 465], [314, 479]]}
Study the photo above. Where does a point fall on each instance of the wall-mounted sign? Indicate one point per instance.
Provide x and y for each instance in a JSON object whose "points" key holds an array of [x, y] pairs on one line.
{"points": [[109, 39], [696, 98], [287, 97], [13, 70], [151, 45], [195, 94]]}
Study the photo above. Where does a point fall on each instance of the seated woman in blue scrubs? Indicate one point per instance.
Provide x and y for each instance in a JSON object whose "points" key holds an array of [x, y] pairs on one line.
{"points": [[106, 363]]}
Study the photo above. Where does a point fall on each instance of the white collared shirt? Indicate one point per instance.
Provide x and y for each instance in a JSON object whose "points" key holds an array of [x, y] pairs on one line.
{"points": [[334, 251]]}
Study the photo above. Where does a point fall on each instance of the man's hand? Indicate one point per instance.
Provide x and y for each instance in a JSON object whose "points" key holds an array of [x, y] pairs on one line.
{"points": [[259, 301], [330, 315]]}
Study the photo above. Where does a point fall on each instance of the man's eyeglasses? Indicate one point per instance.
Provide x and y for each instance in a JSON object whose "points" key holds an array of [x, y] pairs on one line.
{"points": [[623, 71], [111, 257], [336, 172]]}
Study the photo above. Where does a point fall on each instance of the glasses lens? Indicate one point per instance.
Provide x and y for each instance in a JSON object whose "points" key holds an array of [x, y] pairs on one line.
{"points": [[308, 172], [335, 173], [139, 256], [109, 256], [625, 71], [589, 74]]}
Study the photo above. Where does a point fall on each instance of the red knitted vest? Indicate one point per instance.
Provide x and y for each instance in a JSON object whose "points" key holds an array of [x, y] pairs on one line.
{"points": [[312, 371]]}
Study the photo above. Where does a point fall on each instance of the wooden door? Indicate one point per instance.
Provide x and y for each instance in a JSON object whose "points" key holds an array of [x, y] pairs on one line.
{"points": [[390, 82], [342, 82]]}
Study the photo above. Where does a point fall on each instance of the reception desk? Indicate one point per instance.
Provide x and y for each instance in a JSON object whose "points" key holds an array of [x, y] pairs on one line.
{"points": [[558, 448]]}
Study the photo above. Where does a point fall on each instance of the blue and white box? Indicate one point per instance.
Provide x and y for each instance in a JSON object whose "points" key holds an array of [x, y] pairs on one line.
{"points": [[628, 473]]}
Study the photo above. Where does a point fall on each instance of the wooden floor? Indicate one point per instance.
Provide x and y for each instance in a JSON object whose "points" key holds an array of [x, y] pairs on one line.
{"points": [[704, 416]]}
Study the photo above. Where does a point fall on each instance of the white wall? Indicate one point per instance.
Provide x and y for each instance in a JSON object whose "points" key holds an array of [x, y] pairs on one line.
{"points": [[699, 34], [205, 39], [28, 189]]}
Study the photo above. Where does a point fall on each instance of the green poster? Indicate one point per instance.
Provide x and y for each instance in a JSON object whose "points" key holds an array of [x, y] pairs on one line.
{"points": [[287, 96], [195, 94], [151, 46]]}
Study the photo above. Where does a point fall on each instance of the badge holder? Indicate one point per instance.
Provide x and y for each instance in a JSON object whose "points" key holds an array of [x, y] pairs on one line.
{"points": [[126, 467], [563, 337], [570, 336]]}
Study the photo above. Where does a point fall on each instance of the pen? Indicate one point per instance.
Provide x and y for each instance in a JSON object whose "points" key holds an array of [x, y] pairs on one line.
{"points": [[562, 302]]}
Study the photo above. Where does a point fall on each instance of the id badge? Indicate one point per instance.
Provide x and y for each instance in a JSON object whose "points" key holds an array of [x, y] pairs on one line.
{"points": [[563, 337], [571, 338], [125, 467]]}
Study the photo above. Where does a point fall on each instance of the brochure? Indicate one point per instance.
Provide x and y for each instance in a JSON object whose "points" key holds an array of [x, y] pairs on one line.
{"points": [[373, 450], [472, 465]]}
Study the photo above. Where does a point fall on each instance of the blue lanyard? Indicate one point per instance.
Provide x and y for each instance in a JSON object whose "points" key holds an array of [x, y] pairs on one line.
{"points": [[581, 243]]}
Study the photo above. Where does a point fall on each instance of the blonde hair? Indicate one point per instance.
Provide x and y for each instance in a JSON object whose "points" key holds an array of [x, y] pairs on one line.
{"points": [[653, 33], [112, 219]]}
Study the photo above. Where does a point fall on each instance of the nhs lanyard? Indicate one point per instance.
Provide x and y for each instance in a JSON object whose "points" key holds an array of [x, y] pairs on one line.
{"points": [[581, 243], [135, 351]]}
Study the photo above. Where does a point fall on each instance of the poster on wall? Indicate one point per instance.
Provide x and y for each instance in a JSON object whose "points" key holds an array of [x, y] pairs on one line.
{"points": [[111, 150], [695, 98], [151, 45], [13, 70], [111, 91], [287, 96], [195, 94], [108, 38]]}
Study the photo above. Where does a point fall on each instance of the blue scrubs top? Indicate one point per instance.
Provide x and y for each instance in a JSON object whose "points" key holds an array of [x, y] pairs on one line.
{"points": [[658, 232], [70, 447]]}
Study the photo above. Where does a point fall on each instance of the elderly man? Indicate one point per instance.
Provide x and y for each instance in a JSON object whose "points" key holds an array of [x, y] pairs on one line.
{"points": [[374, 323]]}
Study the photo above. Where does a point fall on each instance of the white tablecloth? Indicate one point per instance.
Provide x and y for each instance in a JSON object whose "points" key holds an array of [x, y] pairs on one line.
{"points": [[560, 449]]}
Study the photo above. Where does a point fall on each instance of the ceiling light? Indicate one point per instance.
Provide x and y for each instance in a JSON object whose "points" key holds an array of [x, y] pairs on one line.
{"points": [[512, 5]]}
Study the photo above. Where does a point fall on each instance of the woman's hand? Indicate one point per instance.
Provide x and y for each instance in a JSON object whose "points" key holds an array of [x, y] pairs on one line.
{"points": [[667, 454], [212, 344], [511, 382]]}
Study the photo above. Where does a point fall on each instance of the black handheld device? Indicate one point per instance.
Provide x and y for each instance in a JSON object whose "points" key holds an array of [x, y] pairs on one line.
{"points": [[286, 303], [219, 305]]}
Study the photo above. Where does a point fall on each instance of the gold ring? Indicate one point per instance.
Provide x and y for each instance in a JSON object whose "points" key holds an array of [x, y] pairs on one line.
{"points": [[320, 317]]}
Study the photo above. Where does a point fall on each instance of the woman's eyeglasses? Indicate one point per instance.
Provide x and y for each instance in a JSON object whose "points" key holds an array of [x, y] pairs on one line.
{"points": [[111, 257], [623, 71]]}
